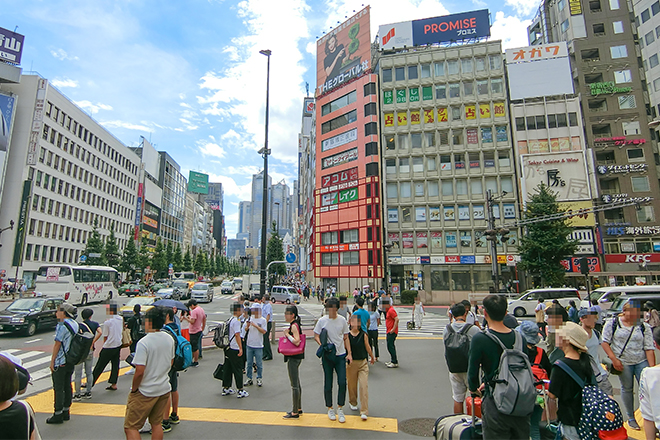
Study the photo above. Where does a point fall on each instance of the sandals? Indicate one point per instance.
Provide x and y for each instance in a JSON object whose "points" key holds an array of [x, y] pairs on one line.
{"points": [[111, 389]]}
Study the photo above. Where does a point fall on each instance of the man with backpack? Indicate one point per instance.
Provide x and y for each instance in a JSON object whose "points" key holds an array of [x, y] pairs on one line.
{"points": [[136, 326], [197, 320], [233, 366], [61, 372], [457, 336], [173, 329], [94, 328], [498, 353]]}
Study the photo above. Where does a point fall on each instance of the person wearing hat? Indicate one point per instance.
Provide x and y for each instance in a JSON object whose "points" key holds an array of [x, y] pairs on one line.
{"points": [[588, 319], [16, 417], [541, 367], [572, 339], [61, 372], [255, 327]]}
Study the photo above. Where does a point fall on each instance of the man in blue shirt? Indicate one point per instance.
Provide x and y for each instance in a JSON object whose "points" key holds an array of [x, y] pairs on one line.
{"points": [[363, 314], [61, 372], [267, 312]]}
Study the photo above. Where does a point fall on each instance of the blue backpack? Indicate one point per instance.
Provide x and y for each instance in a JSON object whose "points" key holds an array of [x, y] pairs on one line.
{"points": [[183, 357]]}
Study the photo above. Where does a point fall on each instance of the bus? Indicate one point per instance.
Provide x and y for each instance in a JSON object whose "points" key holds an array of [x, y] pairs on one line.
{"points": [[78, 285]]}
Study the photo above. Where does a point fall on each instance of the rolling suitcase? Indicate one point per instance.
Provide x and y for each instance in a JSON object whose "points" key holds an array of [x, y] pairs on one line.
{"points": [[457, 427]]}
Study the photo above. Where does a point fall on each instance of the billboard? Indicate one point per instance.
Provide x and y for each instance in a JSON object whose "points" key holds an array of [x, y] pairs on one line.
{"points": [[150, 218], [308, 107], [443, 29], [198, 183], [541, 70], [11, 46], [344, 53], [563, 173], [7, 105]]}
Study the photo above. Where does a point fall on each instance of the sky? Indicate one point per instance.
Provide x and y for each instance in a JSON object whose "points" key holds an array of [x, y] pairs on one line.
{"points": [[188, 76]]}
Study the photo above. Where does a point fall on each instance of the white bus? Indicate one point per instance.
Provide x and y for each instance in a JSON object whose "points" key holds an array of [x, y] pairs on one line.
{"points": [[77, 284], [187, 276]]}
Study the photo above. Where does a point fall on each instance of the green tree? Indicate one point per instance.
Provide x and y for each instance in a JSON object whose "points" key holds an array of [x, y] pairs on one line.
{"points": [[95, 246], [111, 250], [218, 265], [275, 252], [169, 253], [144, 256], [129, 261], [211, 268], [187, 264], [159, 260], [200, 263], [177, 258], [545, 243]]}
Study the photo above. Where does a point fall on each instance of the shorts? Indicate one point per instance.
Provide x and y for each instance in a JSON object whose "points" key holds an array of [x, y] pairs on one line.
{"points": [[195, 340], [139, 407], [174, 380], [459, 386]]}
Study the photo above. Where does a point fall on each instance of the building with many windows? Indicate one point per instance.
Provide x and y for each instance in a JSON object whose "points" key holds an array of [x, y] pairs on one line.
{"points": [[174, 199], [446, 144], [64, 173], [307, 185]]}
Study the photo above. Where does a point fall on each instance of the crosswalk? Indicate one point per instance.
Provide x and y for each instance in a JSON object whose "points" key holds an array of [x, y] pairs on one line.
{"points": [[36, 362]]}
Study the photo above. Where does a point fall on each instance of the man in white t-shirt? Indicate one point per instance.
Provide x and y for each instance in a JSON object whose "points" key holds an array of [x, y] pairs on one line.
{"points": [[151, 388], [649, 393], [234, 356], [335, 333], [112, 329], [255, 327]]}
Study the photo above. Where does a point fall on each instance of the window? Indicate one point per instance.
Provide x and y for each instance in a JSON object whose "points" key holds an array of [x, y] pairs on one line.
{"points": [[418, 164], [455, 113], [416, 140], [349, 236], [619, 51], [405, 214], [339, 121], [590, 54], [572, 119], [627, 102], [439, 68], [429, 140], [433, 188], [480, 64], [495, 62], [441, 92], [371, 148], [656, 85], [618, 27], [419, 189], [413, 72], [402, 140], [646, 15], [640, 184], [454, 90], [599, 29], [635, 154], [452, 67], [540, 122], [461, 187], [443, 137], [445, 162], [390, 166], [350, 258], [630, 128], [466, 65], [387, 75], [552, 121], [405, 190], [531, 122], [400, 73], [653, 60], [476, 187], [468, 88], [389, 143], [372, 169], [482, 87], [520, 124], [338, 103], [369, 89], [507, 184], [426, 70], [370, 128], [330, 259], [649, 38], [655, 8], [430, 163], [447, 188], [594, 6], [561, 120], [645, 214], [564, 25], [622, 76], [496, 85], [504, 159], [657, 32], [614, 5], [561, 4], [392, 192], [404, 165]]}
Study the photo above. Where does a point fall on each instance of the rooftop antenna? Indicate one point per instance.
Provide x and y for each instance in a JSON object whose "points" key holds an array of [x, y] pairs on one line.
{"points": [[15, 28]]}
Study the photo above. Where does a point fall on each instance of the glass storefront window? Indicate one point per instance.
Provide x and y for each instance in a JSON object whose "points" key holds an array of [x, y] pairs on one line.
{"points": [[461, 279]]}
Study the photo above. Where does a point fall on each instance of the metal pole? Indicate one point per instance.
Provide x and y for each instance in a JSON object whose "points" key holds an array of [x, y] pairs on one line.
{"points": [[264, 209], [493, 244]]}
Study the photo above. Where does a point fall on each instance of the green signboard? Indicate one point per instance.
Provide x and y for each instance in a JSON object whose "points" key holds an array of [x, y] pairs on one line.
{"points": [[198, 183], [348, 195], [414, 94], [388, 97], [427, 93], [401, 96], [607, 87], [22, 223]]}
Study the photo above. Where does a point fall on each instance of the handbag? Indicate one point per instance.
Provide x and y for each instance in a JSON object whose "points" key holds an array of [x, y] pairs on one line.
{"points": [[288, 348], [218, 372], [126, 338]]}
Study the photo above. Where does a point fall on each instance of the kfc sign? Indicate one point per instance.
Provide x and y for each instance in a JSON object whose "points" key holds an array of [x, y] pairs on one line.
{"points": [[632, 258]]}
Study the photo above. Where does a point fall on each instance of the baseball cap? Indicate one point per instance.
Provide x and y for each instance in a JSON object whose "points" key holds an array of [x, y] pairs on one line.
{"points": [[256, 306], [69, 309], [584, 311]]}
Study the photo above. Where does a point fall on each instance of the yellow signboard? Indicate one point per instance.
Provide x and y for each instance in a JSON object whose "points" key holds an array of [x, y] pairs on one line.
{"points": [[484, 111], [389, 119], [442, 115], [579, 218], [575, 7], [470, 112], [499, 109], [415, 118], [428, 117], [402, 118]]}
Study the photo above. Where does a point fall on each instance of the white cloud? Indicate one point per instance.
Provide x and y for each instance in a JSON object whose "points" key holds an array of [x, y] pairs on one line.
{"points": [[92, 108], [64, 82], [210, 149], [524, 7], [126, 125], [231, 188], [511, 30], [61, 55]]}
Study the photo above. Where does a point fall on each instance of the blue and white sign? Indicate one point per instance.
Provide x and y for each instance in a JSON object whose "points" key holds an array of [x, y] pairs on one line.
{"points": [[290, 258], [171, 266], [83, 258]]}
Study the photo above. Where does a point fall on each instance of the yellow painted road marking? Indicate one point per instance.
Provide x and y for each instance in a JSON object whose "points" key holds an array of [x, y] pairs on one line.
{"points": [[43, 403]]}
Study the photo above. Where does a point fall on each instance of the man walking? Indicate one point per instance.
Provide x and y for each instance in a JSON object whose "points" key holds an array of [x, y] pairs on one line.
{"points": [[254, 329], [344, 311], [588, 321], [234, 356], [88, 363], [112, 329], [540, 317], [267, 312], [150, 391], [60, 371], [136, 326], [392, 329], [197, 320], [170, 419], [363, 315], [331, 332]]}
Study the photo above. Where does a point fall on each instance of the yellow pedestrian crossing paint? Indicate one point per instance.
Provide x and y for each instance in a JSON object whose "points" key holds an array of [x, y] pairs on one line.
{"points": [[43, 403]]}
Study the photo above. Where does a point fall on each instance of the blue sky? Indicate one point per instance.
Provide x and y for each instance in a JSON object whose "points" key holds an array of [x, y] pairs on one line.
{"points": [[188, 75]]}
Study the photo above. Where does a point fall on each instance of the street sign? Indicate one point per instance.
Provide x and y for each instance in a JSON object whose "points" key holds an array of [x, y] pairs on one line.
{"points": [[83, 258], [94, 255], [171, 266], [510, 260], [291, 257], [170, 271]]}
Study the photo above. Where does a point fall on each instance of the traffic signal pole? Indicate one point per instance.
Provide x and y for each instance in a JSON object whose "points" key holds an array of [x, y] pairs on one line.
{"points": [[491, 235]]}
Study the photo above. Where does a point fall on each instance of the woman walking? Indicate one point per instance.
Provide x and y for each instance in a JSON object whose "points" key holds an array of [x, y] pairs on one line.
{"points": [[293, 362], [357, 371]]}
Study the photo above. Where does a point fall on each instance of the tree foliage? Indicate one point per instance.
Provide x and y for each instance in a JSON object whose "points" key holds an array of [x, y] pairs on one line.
{"points": [[144, 256], [111, 250], [187, 264], [275, 252], [159, 260], [95, 246], [177, 259], [545, 243], [129, 261]]}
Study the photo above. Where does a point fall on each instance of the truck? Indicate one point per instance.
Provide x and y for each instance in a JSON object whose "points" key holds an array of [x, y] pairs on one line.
{"points": [[238, 283]]}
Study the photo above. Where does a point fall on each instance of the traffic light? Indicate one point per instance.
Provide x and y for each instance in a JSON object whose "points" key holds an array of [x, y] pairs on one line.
{"points": [[491, 234], [584, 266], [504, 234]]}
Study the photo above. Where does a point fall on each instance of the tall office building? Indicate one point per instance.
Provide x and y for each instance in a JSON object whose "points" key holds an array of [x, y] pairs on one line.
{"points": [[257, 207], [173, 205], [306, 185], [215, 200]]}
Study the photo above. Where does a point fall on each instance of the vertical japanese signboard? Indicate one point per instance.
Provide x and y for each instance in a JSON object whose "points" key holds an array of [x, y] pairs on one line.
{"points": [[22, 223]]}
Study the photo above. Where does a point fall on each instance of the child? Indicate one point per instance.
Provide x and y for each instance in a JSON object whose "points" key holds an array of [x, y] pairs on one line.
{"points": [[418, 312], [357, 371], [649, 386]]}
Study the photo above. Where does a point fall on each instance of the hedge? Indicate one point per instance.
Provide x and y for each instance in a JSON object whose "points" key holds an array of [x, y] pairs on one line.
{"points": [[408, 296]]}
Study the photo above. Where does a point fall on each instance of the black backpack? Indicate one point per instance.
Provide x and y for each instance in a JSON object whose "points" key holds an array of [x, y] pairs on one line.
{"points": [[221, 337], [81, 343], [457, 348]]}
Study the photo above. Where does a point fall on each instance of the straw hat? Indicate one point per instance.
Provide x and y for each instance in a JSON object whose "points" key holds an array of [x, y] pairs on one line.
{"points": [[575, 334]]}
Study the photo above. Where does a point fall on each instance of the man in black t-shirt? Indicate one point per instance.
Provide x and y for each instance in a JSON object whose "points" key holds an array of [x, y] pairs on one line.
{"points": [[485, 354], [88, 363]]}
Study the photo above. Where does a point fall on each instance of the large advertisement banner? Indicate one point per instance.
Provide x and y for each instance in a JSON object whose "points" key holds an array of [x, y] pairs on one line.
{"points": [[7, 105], [564, 173], [11, 46], [344, 53], [151, 218]]}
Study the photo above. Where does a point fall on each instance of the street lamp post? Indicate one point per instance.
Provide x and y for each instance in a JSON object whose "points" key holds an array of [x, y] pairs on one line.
{"points": [[387, 247], [491, 235], [264, 210]]}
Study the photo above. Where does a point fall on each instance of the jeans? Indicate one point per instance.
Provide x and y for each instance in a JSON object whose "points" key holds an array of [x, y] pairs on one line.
{"points": [[62, 388], [373, 341], [257, 354], [534, 421], [107, 355], [233, 367], [293, 367], [391, 348], [89, 376], [339, 365], [630, 372], [268, 353]]}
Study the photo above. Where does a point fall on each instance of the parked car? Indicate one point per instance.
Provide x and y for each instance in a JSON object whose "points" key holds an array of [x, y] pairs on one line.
{"points": [[227, 287], [526, 303], [167, 293], [30, 314], [146, 303], [202, 292], [617, 305], [605, 296], [183, 288], [284, 294]]}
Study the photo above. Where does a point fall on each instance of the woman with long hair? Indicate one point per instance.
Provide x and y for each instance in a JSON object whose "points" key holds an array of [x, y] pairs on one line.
{"points": [[293, 362]]}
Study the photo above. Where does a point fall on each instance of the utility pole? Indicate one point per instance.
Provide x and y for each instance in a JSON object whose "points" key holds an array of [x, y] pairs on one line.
{"points": [[492, 235], [265, 151]]}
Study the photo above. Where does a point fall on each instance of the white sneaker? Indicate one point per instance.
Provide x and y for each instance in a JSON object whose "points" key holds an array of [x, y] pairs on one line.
{"points": [[340, 415], [242, 393], [260, 382], [353, 407], [363, 416], [228, 391], [331, 414], [391, 365]]}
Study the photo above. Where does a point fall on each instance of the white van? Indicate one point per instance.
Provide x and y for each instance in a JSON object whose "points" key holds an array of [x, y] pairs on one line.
{"points": [[254, 290], [605, 296], [527, 302]]}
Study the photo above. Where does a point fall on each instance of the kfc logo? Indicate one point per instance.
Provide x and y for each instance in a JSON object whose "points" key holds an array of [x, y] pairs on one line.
{"points": [[639, 258]]}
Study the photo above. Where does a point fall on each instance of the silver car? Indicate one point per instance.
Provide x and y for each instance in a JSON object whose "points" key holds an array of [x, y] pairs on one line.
{"points": [[202, 292], [284, 294]]}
